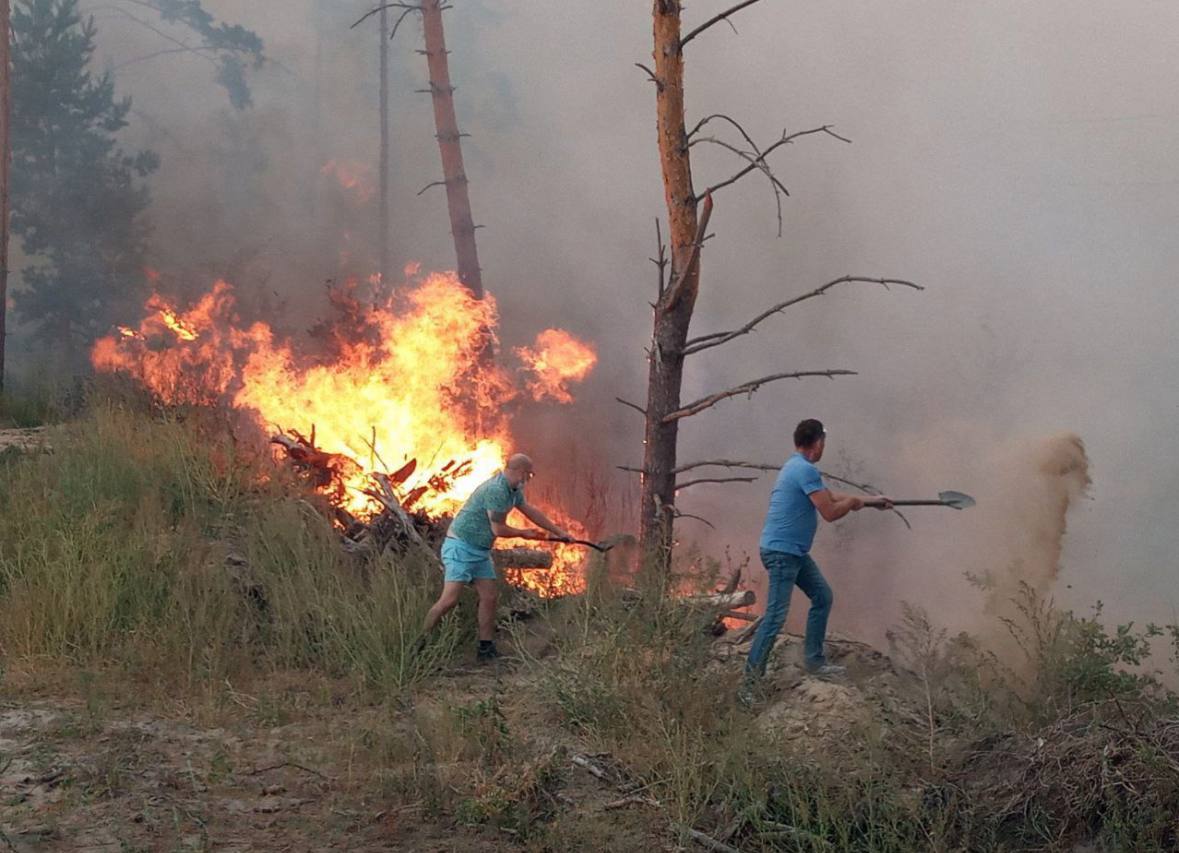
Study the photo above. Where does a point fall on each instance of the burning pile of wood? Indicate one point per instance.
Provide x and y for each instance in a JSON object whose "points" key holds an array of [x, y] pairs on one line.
{"points": [[400, 525]]}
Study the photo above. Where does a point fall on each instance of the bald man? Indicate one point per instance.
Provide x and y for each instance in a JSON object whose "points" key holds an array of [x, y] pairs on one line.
{"points": [[466, 553]]}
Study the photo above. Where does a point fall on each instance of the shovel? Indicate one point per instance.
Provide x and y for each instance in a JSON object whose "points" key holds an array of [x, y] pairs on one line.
{"points": [[601, 547], [954, 500]]}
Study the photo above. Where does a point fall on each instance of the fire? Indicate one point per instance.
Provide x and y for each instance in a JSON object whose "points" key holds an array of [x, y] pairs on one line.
{"points": [[352, 177], [405, 379], [557, 360]]}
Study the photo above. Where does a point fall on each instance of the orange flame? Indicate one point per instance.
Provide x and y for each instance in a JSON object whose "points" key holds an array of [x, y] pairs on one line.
{"points": [[352, 177], [407, 379], [557, 360]]}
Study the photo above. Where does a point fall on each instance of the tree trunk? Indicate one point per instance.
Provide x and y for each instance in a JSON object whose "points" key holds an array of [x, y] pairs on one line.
{"points": [[462, 225], [673, 310], [383, 215], [5, 158]]}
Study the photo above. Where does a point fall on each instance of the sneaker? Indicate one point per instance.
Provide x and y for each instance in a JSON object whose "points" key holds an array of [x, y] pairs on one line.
{"points": [[827, 671], [487, 653], [746, 695]]}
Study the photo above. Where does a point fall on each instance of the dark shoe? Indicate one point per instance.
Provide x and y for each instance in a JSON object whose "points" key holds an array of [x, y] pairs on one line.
{"points": [[746, 696], [486, 653], [827, 671]]}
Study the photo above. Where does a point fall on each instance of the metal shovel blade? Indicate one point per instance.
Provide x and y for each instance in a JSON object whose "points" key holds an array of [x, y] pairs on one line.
{"points": [[956, 500]]}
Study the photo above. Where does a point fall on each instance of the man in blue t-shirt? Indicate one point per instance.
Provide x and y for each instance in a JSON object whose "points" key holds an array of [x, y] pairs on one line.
{"points": [[798, 499], [466, 553]]}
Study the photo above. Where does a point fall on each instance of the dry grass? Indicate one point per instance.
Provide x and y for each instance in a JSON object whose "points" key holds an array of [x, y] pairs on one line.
{"points": [[116, 604]]}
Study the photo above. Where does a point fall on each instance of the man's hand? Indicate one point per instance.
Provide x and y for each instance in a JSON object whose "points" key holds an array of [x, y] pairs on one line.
{"points": [[881, 502]]}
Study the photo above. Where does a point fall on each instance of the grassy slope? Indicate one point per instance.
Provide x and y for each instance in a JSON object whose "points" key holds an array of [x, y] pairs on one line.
{"points": [[162, 684]]}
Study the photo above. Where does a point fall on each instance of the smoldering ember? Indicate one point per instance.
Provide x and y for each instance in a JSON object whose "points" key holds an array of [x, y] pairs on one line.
{"points": [[416, 417]]}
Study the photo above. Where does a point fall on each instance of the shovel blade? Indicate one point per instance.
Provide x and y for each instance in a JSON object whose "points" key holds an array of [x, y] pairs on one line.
{"points": [[956, 500]]}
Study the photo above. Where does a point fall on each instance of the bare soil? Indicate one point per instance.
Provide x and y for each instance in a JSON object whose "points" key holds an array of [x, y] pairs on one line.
{"points": [[96, 763]]}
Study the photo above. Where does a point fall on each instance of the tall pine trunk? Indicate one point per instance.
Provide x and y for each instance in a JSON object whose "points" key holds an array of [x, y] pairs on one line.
{"points": [[462, 225], [383, 168], [5, 158], [673, 310]]}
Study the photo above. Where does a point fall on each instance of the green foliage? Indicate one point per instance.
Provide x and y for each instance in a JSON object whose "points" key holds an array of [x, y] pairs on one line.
{"points": [[76, 198], [236, 47]]}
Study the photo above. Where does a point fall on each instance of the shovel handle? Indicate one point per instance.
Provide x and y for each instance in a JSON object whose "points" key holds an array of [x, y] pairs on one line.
{"points": [[583, 542]]}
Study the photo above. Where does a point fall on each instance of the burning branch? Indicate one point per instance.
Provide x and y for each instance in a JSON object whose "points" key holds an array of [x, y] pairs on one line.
{"points": [[715, 339], [716, 19], [708, 402]]}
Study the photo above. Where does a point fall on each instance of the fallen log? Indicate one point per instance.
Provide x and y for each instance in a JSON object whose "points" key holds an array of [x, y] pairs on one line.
{"points": [[738, 614], [522, 558], [727, 600]]}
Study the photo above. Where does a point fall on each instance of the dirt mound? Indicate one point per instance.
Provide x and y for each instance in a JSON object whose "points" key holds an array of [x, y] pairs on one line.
{"points": [[876, 699]]}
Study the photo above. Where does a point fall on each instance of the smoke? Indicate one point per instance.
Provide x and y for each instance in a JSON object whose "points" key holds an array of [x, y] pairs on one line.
{"points": [[1004, 156]]}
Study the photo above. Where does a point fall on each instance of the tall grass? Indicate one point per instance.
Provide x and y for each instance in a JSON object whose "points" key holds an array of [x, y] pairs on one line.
{"points": [[113, 549]]}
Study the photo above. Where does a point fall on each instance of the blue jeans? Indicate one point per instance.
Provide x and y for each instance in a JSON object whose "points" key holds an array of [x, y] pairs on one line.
{"points": [[786, 570]]}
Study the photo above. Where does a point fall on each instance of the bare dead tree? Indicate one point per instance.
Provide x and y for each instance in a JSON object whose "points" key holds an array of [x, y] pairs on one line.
{"points": [[383, 163], [688, 214], [5, 158], [454, 175]]}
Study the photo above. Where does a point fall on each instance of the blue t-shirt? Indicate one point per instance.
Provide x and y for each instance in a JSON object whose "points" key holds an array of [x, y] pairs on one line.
{"points": [[472, 525], [792, 519]]}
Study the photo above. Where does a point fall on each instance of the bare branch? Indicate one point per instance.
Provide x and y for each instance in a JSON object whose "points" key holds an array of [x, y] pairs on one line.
{"points": [[715, 339], [725, 463], [400, 18], [408, 7], [634, 406], [687, 483], [776, 185], [716, 19], [676, 514], [631, 469], [661, 261], [651, 75], [431, 185], [755, 163], [676, 290], [747, 388], [868, 489], [700, 126]]}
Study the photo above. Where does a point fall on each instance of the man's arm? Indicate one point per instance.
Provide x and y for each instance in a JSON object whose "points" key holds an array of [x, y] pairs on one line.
{"points": [[835, 505], [541, 520], [500, 527]]}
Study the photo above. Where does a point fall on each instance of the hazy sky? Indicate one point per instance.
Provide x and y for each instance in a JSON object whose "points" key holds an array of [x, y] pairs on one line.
{"points": [[1016, 159]]}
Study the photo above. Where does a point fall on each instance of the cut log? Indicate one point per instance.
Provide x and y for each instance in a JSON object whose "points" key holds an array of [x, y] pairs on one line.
{"points": [[522, 558], [739, 614], [727, 600]]}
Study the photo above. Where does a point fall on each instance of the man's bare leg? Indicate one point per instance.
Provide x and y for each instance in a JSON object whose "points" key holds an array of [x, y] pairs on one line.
{"points": [[451, 590], [488, 590]]}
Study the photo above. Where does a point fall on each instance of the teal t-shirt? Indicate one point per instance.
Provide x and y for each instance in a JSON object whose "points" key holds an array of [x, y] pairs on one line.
{"points": [[472, 525], [792, 519]]}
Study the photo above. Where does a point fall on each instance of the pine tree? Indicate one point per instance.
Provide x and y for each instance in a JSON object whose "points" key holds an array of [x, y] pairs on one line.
{"points": [[77, 196]]}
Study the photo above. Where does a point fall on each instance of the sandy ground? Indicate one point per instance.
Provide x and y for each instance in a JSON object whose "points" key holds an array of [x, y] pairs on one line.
{"points": [[297, 766]]}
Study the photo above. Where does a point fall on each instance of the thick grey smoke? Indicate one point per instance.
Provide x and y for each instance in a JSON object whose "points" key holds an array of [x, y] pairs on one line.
{"points": [[1017, 159]]}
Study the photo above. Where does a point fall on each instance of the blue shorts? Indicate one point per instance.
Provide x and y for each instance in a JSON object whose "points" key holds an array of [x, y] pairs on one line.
{"points": [[465, 563]]}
